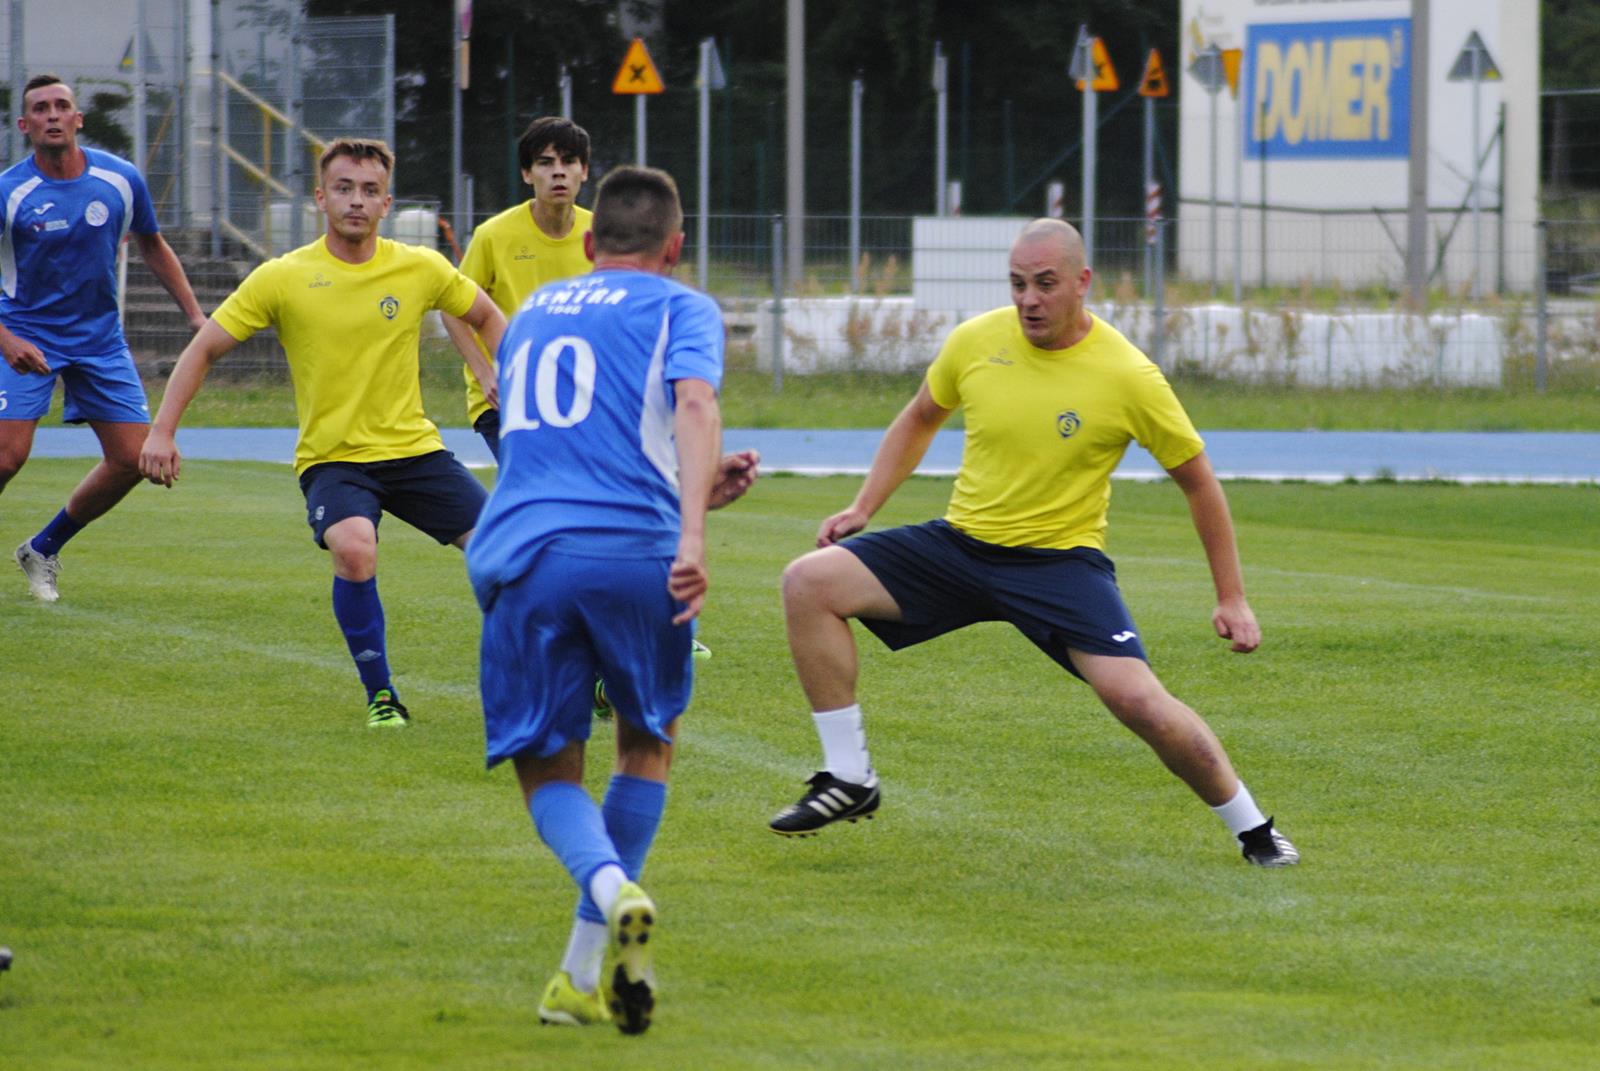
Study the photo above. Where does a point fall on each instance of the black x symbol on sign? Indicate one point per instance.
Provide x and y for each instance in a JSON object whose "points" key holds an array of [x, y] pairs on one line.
{"points": [[637, 74]]}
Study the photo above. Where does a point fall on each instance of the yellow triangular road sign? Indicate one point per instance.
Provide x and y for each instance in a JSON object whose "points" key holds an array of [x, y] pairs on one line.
{"points": [[1105, 76], [1231, 59], [637, 73], [1154, 82]]}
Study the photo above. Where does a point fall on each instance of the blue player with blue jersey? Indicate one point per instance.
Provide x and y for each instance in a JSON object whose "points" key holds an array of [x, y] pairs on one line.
{"points": [[64, 214], [590, 558]]}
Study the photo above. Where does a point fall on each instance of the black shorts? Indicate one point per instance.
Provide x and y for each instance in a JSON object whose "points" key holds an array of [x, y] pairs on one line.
{"points": [[433, 493], [488, 426], [943, 579]]}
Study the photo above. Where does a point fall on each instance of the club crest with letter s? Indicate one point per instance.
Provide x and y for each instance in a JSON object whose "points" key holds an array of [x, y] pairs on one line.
{"points": [[1068, 422], [389, 306]]}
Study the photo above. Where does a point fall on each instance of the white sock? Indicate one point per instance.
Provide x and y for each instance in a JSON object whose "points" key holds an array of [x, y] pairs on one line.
{"points": [[586, 948], [1241, 812], [604, 884], [844, 743]]}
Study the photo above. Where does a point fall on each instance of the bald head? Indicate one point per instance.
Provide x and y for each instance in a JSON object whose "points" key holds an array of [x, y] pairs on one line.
{"points": [[1049, 281], [1059, 235]]}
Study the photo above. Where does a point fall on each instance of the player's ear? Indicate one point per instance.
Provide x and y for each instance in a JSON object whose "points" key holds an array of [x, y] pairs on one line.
{"points": [[588, 245], [672, 252]]}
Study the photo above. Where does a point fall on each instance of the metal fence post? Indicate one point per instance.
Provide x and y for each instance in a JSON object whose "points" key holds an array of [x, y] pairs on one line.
{"points": [[777, 301], [1159, 307], [1541, 355]]}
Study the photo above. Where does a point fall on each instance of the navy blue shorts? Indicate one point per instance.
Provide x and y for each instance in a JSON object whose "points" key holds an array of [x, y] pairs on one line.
{"points": [[433, 493], [943, 579], [488, 426]]}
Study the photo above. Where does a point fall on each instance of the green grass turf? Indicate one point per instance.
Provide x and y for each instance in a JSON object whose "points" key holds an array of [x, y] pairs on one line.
{"points": [[210, 863]]}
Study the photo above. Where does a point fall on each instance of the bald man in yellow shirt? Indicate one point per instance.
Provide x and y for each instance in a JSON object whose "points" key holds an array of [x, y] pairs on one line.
{"points": [[348, 309], [1052, 395]]}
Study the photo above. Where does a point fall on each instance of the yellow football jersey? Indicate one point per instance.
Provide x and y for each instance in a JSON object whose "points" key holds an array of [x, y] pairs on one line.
{"points": [[351, 333], [510, 257], [1046, 428]]}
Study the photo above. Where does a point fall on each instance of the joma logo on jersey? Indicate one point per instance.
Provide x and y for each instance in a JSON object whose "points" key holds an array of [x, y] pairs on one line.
{"points": [[318, 282], [1329, 89], [1068, 423], [390, 307]]}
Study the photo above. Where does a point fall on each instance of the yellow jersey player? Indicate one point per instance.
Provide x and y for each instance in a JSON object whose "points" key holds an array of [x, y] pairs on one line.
{"points": [[1052, 396], [539, 241], [348, 309]]}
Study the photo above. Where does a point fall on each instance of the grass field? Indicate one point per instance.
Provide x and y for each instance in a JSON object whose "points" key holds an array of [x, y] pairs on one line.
{"points": [[210, 863]]}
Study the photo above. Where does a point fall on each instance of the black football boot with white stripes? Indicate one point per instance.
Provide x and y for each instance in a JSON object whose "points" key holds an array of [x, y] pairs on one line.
{"points": [[829, 800]]}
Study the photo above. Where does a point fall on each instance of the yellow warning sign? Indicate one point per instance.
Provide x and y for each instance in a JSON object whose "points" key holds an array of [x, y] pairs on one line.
{"points": [[1231, 59], [637, 74], [1154, 82], [1105, 76]]}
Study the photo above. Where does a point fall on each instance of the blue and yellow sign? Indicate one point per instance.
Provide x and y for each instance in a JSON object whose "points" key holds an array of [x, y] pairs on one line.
{"points": [[1329, 90]]}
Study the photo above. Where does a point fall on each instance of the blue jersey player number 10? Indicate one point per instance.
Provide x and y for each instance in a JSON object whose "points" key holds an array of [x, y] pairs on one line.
{"points": [[546, 396]]}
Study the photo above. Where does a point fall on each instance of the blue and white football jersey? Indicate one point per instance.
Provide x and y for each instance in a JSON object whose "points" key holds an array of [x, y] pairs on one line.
{"points": [[587, 456], [58, 252]]}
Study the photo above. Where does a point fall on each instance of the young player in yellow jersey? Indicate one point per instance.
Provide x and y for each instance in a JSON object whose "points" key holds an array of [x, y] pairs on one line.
{"points": [[536, 242], [1052, 397], [348, 309]]}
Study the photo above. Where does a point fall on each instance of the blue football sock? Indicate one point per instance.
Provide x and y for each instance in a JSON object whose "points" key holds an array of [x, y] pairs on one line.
{"points": [[632, 810], [571, 826], [360, 616], [54, 535]]}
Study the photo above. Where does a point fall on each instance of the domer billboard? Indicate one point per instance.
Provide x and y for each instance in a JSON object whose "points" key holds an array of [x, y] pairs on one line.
{"points": [[1313, 143]]}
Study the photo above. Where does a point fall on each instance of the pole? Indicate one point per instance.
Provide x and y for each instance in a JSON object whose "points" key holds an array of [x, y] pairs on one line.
{"points": [[1542, 301], [1149, 186], [639, 154], [941, 136], [1417, 172], [216, 128], [1091, 106], [795, 141], [703, 222], [16, 145], [140, 19], [1159, 330], [1238, 201], [777, 302], [457, 209], [185, 61], [856, 89], [566, 92], [296, 123], [1213, 193], [1477, 175]]}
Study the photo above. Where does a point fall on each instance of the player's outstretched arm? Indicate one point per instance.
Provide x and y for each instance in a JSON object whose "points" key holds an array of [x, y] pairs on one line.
{"points": [[159, 460], [697, 427], [490, 323], [1208, 506], [166, 267], [902, 449]]}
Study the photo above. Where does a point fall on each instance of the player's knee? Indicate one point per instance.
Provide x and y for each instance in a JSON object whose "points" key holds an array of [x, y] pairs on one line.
{"points": [[1140, 704], [808, 583]]}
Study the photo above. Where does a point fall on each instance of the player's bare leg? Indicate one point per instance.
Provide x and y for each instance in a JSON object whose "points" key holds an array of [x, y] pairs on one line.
{"points": [[821, 592], [1185, 743], [16, 443], [117, 473]]}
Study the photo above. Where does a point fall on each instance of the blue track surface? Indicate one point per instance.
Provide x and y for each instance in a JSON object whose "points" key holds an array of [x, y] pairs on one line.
{"points": [[1323, 456]]}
